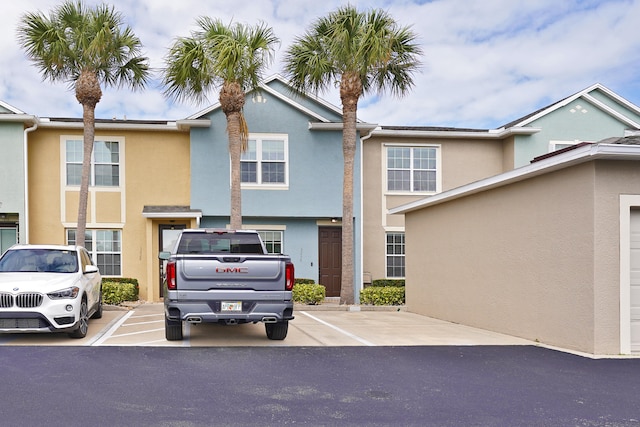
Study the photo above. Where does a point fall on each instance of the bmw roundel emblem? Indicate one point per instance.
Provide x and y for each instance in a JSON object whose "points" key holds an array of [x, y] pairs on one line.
{"points": [[16, 289]]}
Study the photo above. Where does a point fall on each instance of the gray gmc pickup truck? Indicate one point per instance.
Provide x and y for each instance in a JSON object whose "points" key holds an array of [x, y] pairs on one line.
{"points": [[226, 276]]}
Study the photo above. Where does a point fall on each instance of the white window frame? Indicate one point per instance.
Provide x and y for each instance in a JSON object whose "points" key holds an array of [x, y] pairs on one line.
{"points": [[97, 245], [259, 185], [385, 168], [268, 241], [388, 255], [555, 145], [78, 138]]}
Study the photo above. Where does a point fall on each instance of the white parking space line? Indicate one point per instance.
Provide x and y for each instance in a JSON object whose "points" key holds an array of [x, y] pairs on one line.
{"points": [[143, 323], [146, 315], [342, 331], [111, 330], [136, 333]]}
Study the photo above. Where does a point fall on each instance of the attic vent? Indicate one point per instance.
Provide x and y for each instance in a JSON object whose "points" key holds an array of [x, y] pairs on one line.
{"points": [[579, 109]]}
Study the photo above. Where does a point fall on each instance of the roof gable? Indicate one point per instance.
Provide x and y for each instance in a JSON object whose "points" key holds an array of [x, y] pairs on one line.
{"points": [[597, 95], [9, 109], [317, 109]]}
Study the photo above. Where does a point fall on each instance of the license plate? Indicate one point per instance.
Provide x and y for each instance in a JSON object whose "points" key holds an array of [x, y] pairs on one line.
{"points": [[231, 306]]}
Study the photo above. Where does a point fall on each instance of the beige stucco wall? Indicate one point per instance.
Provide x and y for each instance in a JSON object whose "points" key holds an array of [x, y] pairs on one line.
{"points": [[537, 259], [155, 170], [462, 161]]}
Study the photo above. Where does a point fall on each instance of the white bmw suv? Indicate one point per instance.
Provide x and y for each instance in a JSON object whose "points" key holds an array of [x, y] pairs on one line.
{"points": [[48, 288]]}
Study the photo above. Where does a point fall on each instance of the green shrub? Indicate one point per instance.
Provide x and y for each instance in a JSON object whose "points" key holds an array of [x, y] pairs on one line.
{"points": [[382, 295], [116, 292], [305, 281], [132, 281], [388, 282], [308, 293]]}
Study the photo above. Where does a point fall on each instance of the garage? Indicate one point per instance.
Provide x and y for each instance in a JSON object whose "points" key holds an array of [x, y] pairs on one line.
{"points": [[548, 252]]}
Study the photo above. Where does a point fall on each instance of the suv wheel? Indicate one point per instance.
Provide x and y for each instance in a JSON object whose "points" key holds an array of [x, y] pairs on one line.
{"points": [[83, 321], [98, 313]]}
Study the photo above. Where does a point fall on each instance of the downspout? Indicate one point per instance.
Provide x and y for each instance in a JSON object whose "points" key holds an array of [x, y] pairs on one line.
{"points": [[26, 179], [361, 248]]}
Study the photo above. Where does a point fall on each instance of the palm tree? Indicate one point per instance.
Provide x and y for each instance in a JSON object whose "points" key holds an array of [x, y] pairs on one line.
{"points": [[364, 52], [233, 58], [85, 47]]}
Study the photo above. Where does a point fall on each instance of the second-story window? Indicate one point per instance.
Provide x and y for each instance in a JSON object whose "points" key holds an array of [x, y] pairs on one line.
{"points": [[412, 169], [105, 163], [265, 161]]}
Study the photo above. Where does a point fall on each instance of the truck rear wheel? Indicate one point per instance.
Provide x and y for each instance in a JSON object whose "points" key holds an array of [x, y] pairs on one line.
{"points": [[172, 329], [277, 331]]}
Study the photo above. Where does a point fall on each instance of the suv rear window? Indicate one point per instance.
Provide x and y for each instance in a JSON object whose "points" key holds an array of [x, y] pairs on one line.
{"points": [[220, 243]]}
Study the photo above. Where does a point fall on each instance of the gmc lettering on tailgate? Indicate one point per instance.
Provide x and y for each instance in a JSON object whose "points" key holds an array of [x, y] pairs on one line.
{"points": [[241, 270]]}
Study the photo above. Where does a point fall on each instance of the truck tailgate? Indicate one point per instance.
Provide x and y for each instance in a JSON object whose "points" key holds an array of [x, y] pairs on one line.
{"points": [[254, 272]]}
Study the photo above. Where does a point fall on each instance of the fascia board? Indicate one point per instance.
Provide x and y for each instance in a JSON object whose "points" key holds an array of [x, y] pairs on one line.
{"points": [[611, 111], [339, 126], [205, 111], [561, 161], [21, 118], [179, 126], [316, 98], [188, 124], [618, 98], [11, 108], [552, 108], [294, 104], [492, 134], [172, 215]]}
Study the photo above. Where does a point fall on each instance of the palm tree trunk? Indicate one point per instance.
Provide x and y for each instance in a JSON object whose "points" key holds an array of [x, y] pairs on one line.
{"points": [[350, 91], [348, 150], [88, 118], [235, 150]]}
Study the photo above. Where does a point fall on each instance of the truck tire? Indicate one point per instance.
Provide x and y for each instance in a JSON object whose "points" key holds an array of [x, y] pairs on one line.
{"points": [[277, 331], [172, 329]]}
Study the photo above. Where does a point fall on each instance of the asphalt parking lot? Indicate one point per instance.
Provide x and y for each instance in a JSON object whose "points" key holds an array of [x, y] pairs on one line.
{"points": [[336, 367], [143, 326]]}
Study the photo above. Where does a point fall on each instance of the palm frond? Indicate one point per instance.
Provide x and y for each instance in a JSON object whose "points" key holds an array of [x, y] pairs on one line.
{"points": [[75, 37]]}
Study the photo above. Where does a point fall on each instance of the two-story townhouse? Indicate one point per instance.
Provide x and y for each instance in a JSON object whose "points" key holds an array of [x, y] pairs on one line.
{"points": [[139, 191], [405, 164], [292, 174], [14, 127]]}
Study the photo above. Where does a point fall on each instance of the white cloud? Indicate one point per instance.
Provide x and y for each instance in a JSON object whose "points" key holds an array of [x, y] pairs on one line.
{"points": [[486, 62]]}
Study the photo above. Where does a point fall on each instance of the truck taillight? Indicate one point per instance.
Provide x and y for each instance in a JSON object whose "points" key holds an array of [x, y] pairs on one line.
{"points": [[289, 276], [171, 276]]}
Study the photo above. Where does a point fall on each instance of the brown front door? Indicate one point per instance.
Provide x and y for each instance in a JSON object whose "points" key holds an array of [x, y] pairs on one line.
{"points": [[330, 254], [168, 234]]}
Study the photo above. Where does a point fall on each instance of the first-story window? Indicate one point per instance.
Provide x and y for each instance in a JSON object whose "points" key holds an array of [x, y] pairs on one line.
{"points": [[395, 255], [272, 240], [105, 247]]}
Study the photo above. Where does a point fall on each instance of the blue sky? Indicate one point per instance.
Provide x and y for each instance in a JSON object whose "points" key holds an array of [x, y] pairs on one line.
{"points": [[485, 63]]}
